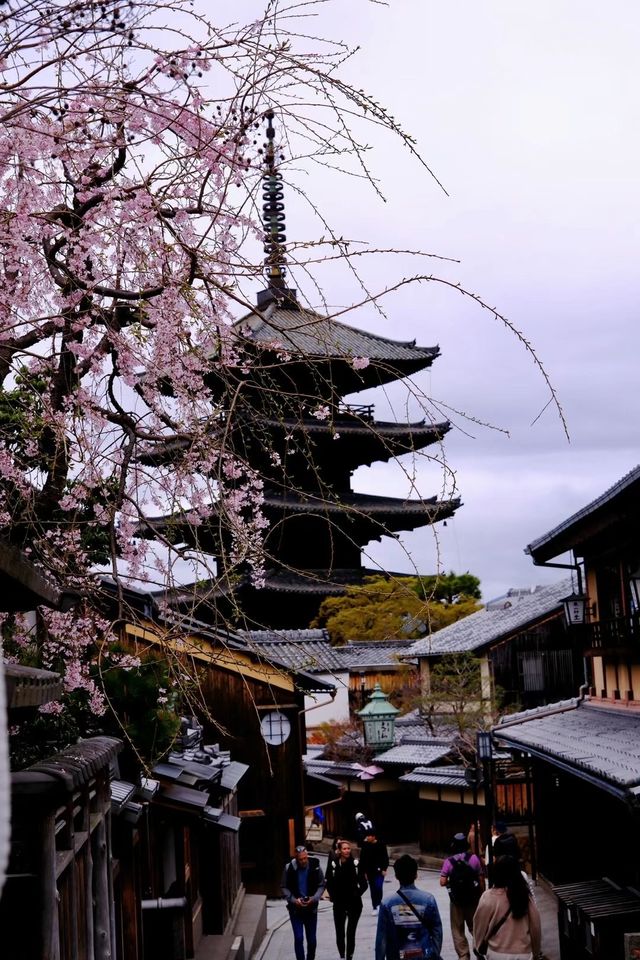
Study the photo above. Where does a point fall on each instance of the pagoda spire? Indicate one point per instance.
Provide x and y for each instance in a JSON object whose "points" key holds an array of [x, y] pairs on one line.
{"points": [[273, 221]]}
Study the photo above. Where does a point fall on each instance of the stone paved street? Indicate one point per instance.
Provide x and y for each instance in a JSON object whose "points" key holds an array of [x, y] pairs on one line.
{"points": [[278, 943]]}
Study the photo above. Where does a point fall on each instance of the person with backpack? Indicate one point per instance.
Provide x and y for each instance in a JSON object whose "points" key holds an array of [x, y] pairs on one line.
{"points": [[463, 875], [409, 924]]}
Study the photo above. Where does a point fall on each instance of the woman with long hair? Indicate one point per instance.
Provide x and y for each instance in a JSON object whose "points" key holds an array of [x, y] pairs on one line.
{"points": [[506, 924]]}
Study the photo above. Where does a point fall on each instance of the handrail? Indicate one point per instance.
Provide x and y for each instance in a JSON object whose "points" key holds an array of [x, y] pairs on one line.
{"points": [[616, 632]]}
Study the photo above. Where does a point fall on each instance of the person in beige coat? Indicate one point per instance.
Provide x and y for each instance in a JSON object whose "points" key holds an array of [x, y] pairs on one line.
{"points": [[506, 923]]}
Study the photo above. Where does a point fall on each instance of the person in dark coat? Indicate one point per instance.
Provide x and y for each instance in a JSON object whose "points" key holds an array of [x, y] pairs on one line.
{"points": [[303, 884], [504, 843], [345, 884], [374, 859]]}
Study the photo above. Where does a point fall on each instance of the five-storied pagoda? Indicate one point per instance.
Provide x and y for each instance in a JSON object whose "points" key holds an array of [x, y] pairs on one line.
{"points": [[288, 421]]}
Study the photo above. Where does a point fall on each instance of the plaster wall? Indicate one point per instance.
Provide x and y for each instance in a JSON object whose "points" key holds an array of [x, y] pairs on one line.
{"points": [[321, 709]]}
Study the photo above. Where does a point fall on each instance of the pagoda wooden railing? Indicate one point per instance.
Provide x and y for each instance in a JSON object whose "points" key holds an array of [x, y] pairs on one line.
{"points": [[361, 411], [620, 633]]}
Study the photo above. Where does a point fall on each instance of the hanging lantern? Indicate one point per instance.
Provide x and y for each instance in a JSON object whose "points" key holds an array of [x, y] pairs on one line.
{"points": [[575, 609]]}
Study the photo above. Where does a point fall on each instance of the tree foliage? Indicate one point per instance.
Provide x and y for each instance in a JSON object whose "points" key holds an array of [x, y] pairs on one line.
{"points": [[130, 156], [398, 608], [456, 695]]}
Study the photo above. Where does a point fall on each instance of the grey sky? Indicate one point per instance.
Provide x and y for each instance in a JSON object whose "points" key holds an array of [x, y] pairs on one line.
{"points": [[528, 113]]}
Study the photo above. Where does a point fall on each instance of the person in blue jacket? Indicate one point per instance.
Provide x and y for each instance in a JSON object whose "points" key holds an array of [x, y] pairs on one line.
{"points": [[409, 923]]}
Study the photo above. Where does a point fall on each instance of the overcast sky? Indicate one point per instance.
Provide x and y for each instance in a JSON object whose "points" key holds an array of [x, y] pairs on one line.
{"points": [[528, 113]]}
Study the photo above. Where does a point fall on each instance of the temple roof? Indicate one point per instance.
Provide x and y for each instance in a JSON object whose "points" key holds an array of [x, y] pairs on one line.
{"points": [[307, 338], [307, 333], [382, 515]]}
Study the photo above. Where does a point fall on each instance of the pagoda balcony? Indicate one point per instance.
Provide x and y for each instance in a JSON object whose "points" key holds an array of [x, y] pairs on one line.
{"points": [[355, 411], [619, 635]]}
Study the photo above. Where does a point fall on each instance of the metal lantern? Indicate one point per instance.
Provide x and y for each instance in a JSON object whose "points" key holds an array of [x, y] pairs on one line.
{"points": [[484, 745], [378, 720], [575, 609]]}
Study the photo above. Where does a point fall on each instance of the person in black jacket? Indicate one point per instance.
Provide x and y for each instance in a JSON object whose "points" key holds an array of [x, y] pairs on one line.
{"points": [[346, 883], [303, 884], [374, 859]]}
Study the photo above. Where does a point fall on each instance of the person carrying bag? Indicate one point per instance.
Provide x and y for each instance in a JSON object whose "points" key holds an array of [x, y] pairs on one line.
{"points": [[506, 925]]}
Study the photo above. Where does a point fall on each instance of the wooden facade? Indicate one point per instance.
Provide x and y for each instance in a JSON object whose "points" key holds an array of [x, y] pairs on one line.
{"points": [[244, 691], [584, 753], [58, 901]]}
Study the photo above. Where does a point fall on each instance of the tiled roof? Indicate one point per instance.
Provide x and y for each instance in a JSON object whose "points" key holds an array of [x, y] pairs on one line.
{"points": [[353, 426], [552, 543], [583, 738], [308, 333], [359, 504], [342, 769], [437, 776], [299, 652], [381, 654], [488, 625], [418, 754]]}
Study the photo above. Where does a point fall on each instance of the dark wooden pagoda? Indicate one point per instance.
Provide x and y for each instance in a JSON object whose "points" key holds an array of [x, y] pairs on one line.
{"points": [[289, 422]]}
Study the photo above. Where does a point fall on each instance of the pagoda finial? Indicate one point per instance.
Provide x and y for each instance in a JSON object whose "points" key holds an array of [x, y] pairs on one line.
{"points": [[273, 219]]}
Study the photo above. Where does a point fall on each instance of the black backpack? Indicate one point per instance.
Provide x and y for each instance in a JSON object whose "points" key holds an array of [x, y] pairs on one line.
{"points": [[464, 882]]}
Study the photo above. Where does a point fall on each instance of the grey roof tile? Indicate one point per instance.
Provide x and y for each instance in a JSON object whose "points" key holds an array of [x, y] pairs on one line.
{"points": [[418, 754], [298, 653], [437, 776], [488, 625], [309, 333], [581, 735], [376, 653]]}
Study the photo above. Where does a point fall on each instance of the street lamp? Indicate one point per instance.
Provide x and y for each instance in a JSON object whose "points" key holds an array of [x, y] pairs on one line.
{"points": [[575, 609], [484, 745], [378, 720], [484, 752]]}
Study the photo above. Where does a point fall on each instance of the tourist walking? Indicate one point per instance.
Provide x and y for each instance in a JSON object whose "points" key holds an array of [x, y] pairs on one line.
{"points": [[409, 924], [303, 884], [364, 826], [463, 876], [506, 925], [345, 885], [374, 858]]}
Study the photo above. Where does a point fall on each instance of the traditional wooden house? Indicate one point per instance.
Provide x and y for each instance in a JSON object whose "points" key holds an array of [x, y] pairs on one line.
{"points": [[256, 709], [584, 753], [58, 901], [526, 652]]}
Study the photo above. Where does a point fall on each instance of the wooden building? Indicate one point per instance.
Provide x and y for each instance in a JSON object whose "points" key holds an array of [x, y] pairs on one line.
{"points": [[58, 901], [523, 644], [585, 752], [258, 708]]}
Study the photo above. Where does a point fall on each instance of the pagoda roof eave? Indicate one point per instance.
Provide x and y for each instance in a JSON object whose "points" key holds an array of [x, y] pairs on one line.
{"points": [[308, 335]]}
